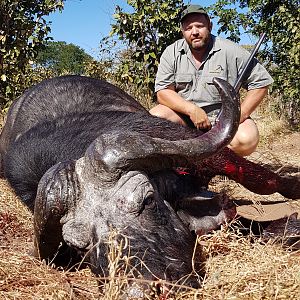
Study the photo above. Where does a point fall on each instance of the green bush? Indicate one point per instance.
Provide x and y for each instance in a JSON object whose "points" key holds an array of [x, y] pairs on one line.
{"points": [[22, 34]]}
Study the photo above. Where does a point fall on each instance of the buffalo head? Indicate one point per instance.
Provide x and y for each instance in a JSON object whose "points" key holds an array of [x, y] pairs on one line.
{"points": [[115, 186]]}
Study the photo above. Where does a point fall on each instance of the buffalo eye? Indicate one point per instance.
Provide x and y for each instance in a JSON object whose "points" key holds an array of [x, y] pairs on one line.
{"points": [[148, 200]]}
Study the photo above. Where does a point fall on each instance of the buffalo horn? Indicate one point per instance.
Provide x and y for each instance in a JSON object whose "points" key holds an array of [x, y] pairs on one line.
{"points": [[114, 153]]}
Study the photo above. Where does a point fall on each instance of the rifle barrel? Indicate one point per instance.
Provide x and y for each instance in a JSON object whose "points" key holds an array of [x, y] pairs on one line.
{"points": [[239, 81]]}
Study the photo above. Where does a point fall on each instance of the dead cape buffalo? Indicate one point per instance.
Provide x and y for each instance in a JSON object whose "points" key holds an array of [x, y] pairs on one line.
{"points": [[86, 158]]}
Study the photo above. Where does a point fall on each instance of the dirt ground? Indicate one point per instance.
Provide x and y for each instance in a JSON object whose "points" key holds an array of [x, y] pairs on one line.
{"points": [[22, 276]]}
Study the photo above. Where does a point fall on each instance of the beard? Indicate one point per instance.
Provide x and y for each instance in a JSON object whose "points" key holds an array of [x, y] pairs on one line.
{"points": [[200, 43]]}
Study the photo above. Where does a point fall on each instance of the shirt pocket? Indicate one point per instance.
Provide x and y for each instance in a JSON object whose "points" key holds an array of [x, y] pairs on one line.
{"points": [[184, 84], [209, 88]]}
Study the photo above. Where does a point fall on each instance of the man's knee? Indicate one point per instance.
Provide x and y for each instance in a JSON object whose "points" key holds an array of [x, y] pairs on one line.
{"points": [[165, 112], [159, 111], [246, 139], [243, 147]]}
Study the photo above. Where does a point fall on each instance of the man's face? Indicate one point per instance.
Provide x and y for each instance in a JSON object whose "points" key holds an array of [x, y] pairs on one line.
{"points": [[196, 30]]}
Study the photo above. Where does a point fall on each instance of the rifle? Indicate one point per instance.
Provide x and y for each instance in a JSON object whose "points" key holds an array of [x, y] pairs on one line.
{"points": [[239, 80]]}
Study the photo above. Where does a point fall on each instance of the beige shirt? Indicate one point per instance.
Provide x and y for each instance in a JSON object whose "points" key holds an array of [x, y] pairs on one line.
{"points": [[225, 60]]}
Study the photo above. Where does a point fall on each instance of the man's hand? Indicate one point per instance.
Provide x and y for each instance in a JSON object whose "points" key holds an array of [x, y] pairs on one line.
{"points": [[170, 98], [199, 117]]}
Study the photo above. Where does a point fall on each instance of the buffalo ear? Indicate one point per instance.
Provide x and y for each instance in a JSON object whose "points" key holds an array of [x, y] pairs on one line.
{"points": [[57, 191]]}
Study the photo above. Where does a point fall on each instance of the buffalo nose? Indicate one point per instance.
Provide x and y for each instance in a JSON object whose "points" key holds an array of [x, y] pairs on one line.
{"points": [[77, 234]]}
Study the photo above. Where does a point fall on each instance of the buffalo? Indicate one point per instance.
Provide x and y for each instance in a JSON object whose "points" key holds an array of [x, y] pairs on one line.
{"points": [[87, 159]]}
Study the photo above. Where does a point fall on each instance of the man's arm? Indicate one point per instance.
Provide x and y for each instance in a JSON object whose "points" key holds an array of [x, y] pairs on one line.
{"points": [[252, 100], [170, 98]]}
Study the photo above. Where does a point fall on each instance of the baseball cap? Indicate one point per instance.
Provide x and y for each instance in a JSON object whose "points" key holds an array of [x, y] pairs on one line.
{"points": [[192, 9]]}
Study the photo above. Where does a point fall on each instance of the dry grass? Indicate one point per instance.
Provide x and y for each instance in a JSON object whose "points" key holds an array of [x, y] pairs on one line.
{"points": [[237, 266], [240, 268]]}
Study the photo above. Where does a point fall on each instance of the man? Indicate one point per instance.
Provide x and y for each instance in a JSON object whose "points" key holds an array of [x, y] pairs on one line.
{"points": [[184, 86]]}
